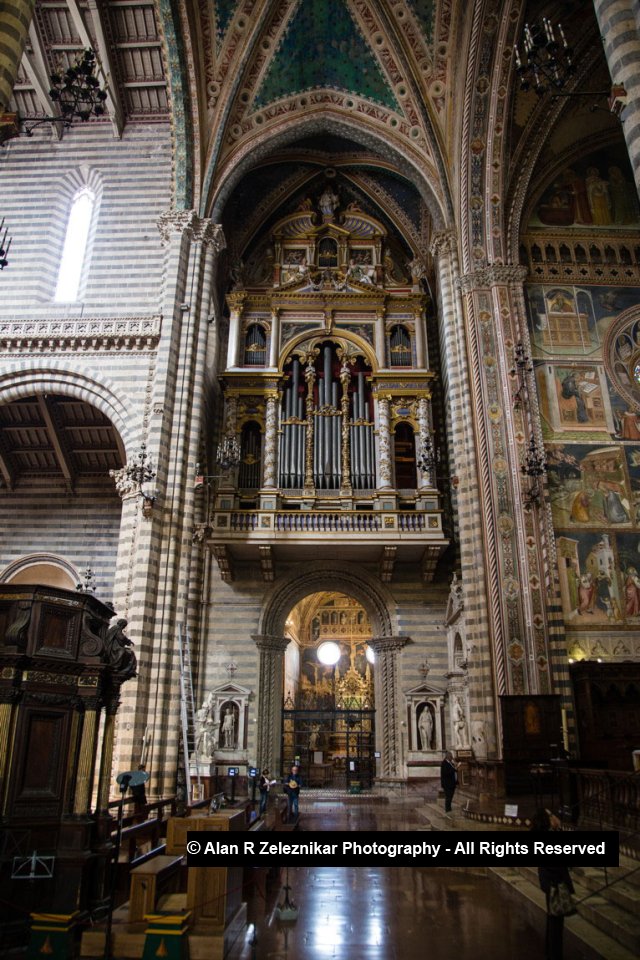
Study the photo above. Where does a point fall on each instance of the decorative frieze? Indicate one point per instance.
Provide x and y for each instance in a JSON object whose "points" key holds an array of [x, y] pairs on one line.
{"points": [[122, 333]]}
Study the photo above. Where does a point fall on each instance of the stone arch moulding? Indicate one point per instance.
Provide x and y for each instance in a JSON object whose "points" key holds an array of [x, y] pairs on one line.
{"points": [[44, 376], [320, 577], [621, 354], [410, 163], [20, 566]]}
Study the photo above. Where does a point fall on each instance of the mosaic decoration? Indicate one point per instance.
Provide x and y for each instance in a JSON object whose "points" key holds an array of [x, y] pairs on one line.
{"points": [[598, 191], [424, 11], [322, 48], [180, 103], [224, 12]]}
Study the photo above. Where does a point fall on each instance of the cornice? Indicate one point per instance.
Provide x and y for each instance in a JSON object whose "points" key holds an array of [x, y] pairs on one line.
{"points": [[95, 334]]}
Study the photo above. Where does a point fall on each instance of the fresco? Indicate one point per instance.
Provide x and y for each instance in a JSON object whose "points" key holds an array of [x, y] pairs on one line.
{"points": [[574, 399], [592, 580], [567, 320], [590, 486], [597, 191]]}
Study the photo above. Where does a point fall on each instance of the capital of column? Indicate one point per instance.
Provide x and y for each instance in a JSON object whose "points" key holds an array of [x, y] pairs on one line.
{"points": [[200, 229], [269, 644], [494, 275], [125, 484], [446, 241], [388, 644]]}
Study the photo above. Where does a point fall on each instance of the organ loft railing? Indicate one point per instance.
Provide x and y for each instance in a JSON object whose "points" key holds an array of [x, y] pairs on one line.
{"points": [[327, 428]]}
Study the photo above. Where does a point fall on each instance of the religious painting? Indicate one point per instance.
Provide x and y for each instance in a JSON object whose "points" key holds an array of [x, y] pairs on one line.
{"points": [[632, 454], [628, 548], [569, 320], [597, 191], [590, 581], [574, 399], [589, 486]]}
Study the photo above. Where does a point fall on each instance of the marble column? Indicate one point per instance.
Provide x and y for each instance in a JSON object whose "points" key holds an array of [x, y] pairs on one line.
{"points": [[274, 345], [426, 480], [385, 480], [621, 38], [389, 711], [270, 699], [270, 478]]}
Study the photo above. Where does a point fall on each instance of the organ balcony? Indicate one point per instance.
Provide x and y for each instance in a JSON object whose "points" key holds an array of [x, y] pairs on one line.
{"points": [[327, 393]]}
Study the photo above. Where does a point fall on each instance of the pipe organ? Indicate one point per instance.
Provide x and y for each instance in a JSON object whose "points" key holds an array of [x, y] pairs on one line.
{"points": [[345, 365]]}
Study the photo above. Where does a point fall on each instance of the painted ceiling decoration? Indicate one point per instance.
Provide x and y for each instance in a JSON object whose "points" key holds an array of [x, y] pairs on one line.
{"points": [[224, 14], [322, 48]]}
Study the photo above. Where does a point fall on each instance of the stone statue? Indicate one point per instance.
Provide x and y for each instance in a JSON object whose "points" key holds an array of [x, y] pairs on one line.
{"points": [[328, 202], [118, 649], [314, 738], [228, 732], [206, 735], [425, 728], [460, 724]]}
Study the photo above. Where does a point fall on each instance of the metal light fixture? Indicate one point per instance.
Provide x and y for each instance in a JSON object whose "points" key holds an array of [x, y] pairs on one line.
{"points": [[4, 246], [547, 64], [521, 369], [533, 466], [76, 91], [88, 584], [228, 453], [140, 472]]}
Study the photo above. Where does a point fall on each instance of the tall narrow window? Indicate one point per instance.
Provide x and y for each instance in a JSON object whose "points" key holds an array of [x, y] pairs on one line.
{"points": [[75, 247]]}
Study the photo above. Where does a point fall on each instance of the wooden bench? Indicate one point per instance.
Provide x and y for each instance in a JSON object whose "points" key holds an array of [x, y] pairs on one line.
{"points": [[148, 882]]}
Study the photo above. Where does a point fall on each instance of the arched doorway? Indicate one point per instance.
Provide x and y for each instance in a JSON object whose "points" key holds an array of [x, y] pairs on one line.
{"points": [[328, 719]]}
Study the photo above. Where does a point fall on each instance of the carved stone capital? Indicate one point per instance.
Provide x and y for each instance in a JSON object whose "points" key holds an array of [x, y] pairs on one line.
{"points": [[496, 274], [209, 233], [446, 241], [176, 221], [388, 644], [125, 485], [270, 645]]}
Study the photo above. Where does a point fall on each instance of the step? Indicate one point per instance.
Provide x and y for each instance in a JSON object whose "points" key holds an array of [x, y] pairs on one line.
{"points": [[620, 891], [589, 941], [617, 922]]}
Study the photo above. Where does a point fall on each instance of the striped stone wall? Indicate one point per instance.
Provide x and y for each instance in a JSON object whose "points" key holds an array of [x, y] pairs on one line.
{"points": [[132, 180], [235, 613]]}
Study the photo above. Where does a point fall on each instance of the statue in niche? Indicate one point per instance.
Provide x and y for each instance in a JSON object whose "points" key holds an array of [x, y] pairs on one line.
{"points": [[207, 730], [460, 723], [328, 202], [228, 727], [118, 649], [425, 728]]}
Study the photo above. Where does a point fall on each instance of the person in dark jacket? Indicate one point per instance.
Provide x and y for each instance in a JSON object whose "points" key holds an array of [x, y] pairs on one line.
{"points": [[448, 779], [549, 877], [292, 790], [264, 786]]}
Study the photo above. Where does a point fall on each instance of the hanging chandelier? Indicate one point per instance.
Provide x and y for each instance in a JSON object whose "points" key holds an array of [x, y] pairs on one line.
{"points": [[4, 246], [77, 93]]}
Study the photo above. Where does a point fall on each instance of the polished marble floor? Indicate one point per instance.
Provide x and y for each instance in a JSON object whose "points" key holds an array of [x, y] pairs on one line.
{"points": [[392, 913], [386, 913]]}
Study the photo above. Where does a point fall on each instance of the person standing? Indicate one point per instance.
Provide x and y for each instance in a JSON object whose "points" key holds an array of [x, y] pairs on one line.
{"points": [[264, 786], [448, 779], [292, 790], [549, 877]]}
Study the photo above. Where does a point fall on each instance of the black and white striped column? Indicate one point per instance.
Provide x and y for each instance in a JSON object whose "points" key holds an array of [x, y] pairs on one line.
{"points": [[618, 21]]}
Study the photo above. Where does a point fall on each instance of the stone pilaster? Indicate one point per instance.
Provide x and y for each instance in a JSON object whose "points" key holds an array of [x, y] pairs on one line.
{"points": [[270, 699], [388, 708]]}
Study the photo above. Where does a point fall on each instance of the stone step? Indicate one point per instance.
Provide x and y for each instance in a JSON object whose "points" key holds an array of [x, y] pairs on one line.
{"points": [[588, 940], [618, 922], [618, 888]]}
